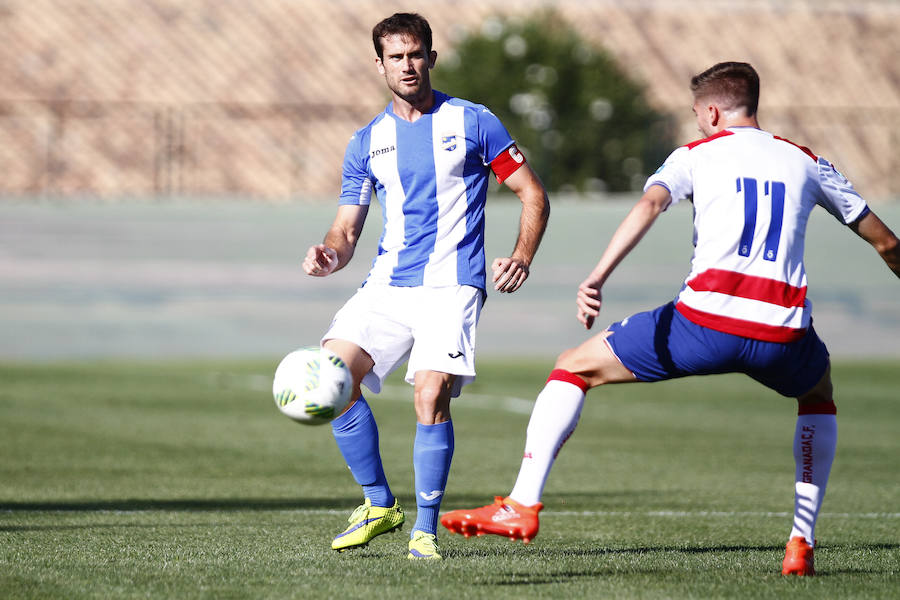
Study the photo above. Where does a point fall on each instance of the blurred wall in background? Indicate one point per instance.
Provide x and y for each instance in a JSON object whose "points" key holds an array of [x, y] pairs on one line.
{"points": [[169, 98]]}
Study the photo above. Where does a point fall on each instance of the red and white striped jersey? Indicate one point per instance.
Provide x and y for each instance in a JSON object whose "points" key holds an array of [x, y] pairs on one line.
{"points": [[752, 194]]}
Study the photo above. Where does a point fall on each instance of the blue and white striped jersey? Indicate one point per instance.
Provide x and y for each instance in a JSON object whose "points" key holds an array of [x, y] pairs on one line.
{"points": [[431, 178]]}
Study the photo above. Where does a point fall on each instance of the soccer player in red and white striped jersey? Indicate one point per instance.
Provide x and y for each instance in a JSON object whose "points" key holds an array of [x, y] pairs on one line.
{"points": [[743, 307]]}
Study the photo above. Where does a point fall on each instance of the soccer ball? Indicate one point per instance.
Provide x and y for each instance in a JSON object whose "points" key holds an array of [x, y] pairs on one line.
{"points": [[312, 386]]}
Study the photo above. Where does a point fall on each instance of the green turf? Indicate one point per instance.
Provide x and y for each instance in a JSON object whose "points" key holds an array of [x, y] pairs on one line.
{"points": [[182, 481]]}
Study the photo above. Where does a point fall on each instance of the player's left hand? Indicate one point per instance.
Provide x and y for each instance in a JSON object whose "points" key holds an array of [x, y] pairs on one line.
{"points": [[588, 302], [509, 274]]}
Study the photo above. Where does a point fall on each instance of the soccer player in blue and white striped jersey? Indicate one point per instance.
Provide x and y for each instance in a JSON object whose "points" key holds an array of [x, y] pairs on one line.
{"points": [[428, 158]]}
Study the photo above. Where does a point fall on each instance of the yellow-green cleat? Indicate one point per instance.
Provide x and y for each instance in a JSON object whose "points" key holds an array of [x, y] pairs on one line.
{"points": [[366, 522], [423, 546]]}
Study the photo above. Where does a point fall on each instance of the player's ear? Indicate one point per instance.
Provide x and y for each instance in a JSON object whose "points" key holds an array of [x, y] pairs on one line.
{"points": [[714, 115], [432, 56], [379, 64]]}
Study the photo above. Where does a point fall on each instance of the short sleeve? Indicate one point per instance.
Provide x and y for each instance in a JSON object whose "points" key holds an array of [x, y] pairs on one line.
{"points": [[356, 185], [492, 135], [838, 196], [674, 175]]}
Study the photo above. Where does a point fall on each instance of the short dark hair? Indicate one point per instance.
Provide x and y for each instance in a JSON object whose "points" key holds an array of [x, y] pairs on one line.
{"points": [[407, 24], [734, 84]]}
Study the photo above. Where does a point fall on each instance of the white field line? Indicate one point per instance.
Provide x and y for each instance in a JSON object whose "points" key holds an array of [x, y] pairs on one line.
{"points": [[676, 514], [673, 514], [467, 399], [390, 393], [712, 513]]}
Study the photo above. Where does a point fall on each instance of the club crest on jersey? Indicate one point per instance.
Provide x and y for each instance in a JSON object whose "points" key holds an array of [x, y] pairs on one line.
{"points": [[448, 142], [839, 174]]}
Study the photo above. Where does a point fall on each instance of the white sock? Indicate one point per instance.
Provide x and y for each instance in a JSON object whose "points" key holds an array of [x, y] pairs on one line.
{"points": [[553, 420], [815, 440]]}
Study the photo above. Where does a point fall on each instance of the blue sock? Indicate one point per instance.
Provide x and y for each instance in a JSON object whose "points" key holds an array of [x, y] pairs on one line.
{"points": [[432, 454], [356, 435]]}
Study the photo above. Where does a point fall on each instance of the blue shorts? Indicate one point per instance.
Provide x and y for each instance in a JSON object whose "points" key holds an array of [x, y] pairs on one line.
{"points": [[662, 344]]}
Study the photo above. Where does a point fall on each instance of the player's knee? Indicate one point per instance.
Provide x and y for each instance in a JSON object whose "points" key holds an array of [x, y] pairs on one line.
{"points": [[427, 395], [575, 362], [568, 360], [595, 363], [432, 401], [821, 394], [816, 396]]}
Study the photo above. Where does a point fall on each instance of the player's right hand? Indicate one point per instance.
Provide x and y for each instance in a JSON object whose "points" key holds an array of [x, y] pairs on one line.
{"points": [[320, 260], [588, 301]]}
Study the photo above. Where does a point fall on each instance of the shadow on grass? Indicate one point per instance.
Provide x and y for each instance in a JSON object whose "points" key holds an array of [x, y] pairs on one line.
{"points": [[561, 553], [93, 526], [265, 504], [182, 505], [549, 555]]}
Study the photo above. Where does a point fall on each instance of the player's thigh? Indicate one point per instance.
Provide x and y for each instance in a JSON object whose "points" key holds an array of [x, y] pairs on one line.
{"points": [[373, 321], [595, 362], [444, 330], [357, 359], [799, 369]]}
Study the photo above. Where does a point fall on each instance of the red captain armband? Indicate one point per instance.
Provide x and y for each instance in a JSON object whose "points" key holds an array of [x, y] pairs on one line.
{"points": [[507, 163]]}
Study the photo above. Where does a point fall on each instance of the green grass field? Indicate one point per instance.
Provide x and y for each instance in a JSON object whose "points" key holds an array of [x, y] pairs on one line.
{"points": [[181, 480]]}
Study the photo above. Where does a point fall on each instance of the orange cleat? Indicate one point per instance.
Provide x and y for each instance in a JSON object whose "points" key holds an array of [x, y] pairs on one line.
{"points": [[504, 517], [798, 558]]}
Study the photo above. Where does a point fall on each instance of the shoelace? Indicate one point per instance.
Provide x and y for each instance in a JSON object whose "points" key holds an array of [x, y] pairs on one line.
{"points": [[358, 514], [428, 540]]}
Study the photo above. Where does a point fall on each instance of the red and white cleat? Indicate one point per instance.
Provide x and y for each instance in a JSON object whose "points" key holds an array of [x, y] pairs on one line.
{"points": [[504, 517]]}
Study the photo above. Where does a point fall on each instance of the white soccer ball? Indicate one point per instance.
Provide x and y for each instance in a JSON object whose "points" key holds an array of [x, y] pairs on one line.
{"points": [[312, 386]]}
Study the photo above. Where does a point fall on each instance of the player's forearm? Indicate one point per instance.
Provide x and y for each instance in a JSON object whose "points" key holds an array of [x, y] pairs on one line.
{"points": [[890, 252], [342, 243], [887, 245], [345, 231], [629, 233], [532, 224], [883, 240]]}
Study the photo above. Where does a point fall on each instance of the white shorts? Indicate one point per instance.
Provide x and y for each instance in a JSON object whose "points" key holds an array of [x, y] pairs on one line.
{"points": [[432, 328]]}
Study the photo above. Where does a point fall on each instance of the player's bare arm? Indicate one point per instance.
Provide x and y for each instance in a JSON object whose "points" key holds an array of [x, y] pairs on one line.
{"points": [[340, 242], [510, 273], [629, 233], [873, 230]]}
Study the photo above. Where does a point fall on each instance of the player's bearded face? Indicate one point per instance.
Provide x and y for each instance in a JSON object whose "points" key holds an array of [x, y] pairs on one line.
{"points": [[406, 66]]}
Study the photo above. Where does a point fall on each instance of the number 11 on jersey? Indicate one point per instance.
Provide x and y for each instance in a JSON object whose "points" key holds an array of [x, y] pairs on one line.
{"points": [[773, 189]]}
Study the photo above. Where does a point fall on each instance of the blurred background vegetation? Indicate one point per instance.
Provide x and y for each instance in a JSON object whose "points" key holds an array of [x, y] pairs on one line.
{"points": [[583, 124]]}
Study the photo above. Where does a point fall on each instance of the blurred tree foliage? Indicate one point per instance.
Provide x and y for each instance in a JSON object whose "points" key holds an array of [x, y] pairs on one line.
{"points": [[581, 122]]}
